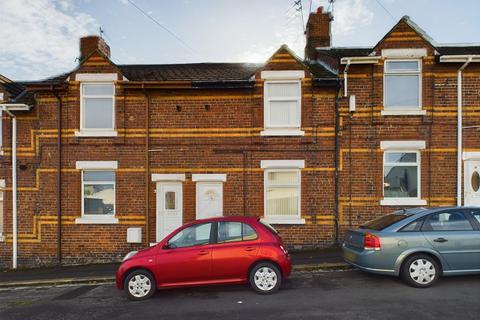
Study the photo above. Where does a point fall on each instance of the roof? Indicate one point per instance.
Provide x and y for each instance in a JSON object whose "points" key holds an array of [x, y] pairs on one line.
{"points": [[189, 71], [12, 88], [340, 52], [458, 49]]}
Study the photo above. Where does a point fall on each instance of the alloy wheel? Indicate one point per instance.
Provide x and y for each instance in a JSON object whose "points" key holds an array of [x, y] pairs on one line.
{"points": [[139, 286], [265, 278]]}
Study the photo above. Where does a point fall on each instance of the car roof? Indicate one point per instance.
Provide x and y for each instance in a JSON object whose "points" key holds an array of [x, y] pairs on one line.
{"points": [[229, 218], [424, 211]]}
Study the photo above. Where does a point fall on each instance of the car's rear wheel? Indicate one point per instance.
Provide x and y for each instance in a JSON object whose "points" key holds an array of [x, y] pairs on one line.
{"points": [[140, 285], [420, 271], [265, 278]]}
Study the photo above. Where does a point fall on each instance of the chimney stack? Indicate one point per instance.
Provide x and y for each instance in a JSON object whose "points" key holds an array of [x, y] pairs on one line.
{"points": [[317, 32], [89, 44]]}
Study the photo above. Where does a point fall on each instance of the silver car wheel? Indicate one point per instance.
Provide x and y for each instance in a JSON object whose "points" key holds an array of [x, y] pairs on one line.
{"points": [[265, 279], [422, 271], [139, 286]]}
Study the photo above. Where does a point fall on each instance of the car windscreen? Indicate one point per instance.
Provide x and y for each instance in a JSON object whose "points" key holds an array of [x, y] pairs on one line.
{"points": [[269, 227], [384, 221]]}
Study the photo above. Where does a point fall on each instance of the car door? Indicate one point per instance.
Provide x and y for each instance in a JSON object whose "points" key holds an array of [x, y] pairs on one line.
{"points": [[236, 249], [474, 215], [187, 256], [453, 236]]}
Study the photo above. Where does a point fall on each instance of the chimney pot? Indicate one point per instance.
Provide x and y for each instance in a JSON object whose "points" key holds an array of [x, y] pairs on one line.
{"points": [[320, 9], [89, 44]]}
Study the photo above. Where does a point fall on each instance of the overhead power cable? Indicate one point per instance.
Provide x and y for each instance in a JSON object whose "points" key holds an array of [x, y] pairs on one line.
{"points": [[146, 14], [386, 10]]}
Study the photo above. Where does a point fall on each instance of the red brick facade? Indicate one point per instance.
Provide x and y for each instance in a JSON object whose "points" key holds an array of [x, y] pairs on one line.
{"points": [[218, 130]]}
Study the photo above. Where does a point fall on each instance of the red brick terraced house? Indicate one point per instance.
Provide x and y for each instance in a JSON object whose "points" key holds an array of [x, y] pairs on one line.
{"points": [[111, 158]]}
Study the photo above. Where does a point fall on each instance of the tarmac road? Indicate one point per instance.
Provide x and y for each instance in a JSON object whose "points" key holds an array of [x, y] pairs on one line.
{"points": [[349, 294]]}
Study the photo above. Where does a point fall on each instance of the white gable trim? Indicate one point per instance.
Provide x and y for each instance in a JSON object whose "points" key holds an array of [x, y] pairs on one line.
{"points": [[283, 74], [96, 77], [404, 53]]}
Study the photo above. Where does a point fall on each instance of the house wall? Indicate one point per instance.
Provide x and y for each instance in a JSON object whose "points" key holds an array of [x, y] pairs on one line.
{"points": [[191, 131]]}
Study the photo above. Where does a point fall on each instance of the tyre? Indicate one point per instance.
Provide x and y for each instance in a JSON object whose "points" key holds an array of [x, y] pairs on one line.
{"points": [[140, 285], [265, 278], [420, 271]]}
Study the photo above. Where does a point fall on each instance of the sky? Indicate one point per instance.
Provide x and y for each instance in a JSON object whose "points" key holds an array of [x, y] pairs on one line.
{"points": [[39, 38]]}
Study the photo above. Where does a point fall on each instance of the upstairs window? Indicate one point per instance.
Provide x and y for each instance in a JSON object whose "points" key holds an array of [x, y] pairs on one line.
{"points": [[283, 104], [402, 85], [97, 107]]}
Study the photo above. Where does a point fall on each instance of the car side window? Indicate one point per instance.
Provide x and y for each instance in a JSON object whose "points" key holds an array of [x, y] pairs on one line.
{"points": [[447, 221], [413, 226], [234, 232], [476, 215], [196, 235]]}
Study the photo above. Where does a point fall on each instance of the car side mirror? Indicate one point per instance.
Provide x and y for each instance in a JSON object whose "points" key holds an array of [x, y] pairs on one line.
{"points": [[169, 246]]}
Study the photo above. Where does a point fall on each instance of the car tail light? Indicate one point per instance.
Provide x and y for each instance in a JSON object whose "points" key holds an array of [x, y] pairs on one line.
{"points": [[371, 242]]}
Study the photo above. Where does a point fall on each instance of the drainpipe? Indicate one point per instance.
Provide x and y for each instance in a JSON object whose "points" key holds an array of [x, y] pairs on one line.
{"points": [[460, 130], [336, 163], [345, 79], [59, 177], [21, 107], [147, 166]]}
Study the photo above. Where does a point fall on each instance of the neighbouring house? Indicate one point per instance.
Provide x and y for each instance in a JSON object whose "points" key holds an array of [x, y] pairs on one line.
{"points": [[314, 146]]}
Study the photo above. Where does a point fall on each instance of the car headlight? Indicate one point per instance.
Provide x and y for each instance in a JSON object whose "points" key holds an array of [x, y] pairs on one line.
{"points": [[129, 255]]}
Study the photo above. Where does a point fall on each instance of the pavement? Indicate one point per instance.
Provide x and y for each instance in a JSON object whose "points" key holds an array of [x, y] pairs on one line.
{"points": [[315, 294], [105, 273]]}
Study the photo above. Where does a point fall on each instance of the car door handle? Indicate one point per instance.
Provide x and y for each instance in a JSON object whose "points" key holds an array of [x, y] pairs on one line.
{"points": [[441, 240], [203, 252], [249, 248]]}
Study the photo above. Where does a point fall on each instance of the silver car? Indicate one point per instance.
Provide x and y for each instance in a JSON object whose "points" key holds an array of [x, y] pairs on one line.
{"points": [[419, 245]]}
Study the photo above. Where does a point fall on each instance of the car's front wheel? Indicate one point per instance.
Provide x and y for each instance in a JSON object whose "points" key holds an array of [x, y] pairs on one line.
{"points": [[140, 285], [420, 271], [265, 278]]}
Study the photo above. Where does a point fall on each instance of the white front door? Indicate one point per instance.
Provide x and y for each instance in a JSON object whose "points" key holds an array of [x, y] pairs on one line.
{"points": [[169, 208], [472, 183], [209, 199]]}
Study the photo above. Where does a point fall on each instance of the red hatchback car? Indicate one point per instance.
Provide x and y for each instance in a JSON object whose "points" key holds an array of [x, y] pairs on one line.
{"points": [[211, 251]]}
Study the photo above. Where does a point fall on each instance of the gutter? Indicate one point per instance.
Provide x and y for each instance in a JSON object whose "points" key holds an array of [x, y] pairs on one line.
{"points": [[8, 108], [466, 59], [336, 162]]}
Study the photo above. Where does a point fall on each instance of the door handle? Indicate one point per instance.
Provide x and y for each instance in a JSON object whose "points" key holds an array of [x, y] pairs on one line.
{"points": [[441, 240], [203, 252], [249, 248]]}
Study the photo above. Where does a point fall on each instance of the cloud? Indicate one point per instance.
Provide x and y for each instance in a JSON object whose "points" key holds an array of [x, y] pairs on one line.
{"points": [[40, 37], [348, 16]]}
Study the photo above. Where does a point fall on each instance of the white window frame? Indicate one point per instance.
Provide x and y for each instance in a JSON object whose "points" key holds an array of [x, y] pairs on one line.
{"points": [[403, 110], [403, 147], [282, 76], [96, 132], [282, 166], [97, 166], [2, 216]]}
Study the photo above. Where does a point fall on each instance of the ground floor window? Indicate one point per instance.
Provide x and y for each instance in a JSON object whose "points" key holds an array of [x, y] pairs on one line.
{"points": [[98, 191], [282, 191], [402, 172]]}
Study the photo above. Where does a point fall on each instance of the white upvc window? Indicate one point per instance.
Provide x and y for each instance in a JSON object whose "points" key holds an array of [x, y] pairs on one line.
{"points": [[98, 192], [2, 186], [282, 191], [97, 109], [402, 174], [402, 87], [282, 103]]}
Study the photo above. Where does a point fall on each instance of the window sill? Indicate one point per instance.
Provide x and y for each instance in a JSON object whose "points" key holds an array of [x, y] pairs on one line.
{"points": [[2, 238], [402, 202], [282, 132], [281, 220], [403, 112], [96, 133], [93, 219]]}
